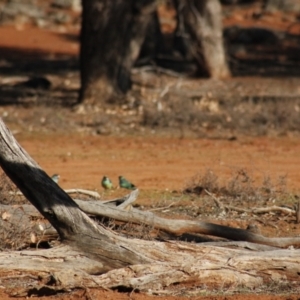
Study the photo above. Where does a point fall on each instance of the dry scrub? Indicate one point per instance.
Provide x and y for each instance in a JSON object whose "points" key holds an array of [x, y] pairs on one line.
{"points": [[240, 187]]}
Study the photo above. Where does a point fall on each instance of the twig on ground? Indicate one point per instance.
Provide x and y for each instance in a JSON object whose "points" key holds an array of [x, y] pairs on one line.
{"points": [[256, 210], [260, 210], [70, 191], [123, 202], [160, 208], [265, 223], [129, 199], [84, 192], [238, 209], [218, 202]]}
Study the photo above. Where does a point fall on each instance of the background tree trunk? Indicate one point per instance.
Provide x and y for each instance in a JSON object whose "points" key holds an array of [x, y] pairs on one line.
{"points": [[64, 268], [202, 22], [111, 37], [153, 43]]}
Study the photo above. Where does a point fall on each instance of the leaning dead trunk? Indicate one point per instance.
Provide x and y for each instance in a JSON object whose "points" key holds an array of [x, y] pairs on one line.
{"points": [[111, 37], [74, 227]]}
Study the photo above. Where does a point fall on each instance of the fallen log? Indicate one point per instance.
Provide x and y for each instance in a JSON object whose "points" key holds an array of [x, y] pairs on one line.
{"points": [[121, 210], [63, 268], [179, 227]]}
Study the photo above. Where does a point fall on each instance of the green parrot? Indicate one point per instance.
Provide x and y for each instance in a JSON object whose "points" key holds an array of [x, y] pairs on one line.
{"points": [[125, 184], [55, 178], [106, 183]]}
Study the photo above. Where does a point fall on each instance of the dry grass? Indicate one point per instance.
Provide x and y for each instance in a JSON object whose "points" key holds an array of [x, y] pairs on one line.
{"points": [[14, 229], [240, 190], [224, 114], [7, 191], [241, 185], [14, 232]]}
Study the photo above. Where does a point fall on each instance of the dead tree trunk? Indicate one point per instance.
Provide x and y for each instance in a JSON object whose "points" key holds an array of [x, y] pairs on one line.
{"points": [[200, 32], [112, 34], [74, 227]]}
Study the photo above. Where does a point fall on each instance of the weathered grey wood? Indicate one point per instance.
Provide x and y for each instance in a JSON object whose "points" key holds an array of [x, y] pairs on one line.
{"points": [[85, 192], [176, 263], [123, 202], [40, 229], [211, 266], [203, 21], [241, 245], [177, 227]]}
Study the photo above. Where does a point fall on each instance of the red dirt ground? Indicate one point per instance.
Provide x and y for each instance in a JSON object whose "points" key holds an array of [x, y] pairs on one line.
{"points": [[152, 163], [156, 163]]}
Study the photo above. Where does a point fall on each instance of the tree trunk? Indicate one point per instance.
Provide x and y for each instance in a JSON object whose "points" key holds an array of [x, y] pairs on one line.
{"points": [[209, 267], [111, 37], [74, 227], [153, 44], [200, 29]]}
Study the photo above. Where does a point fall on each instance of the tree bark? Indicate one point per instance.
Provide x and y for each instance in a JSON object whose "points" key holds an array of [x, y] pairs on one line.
{"points": [[202, 21], [63, 268], [153, 43], [112, 33]]}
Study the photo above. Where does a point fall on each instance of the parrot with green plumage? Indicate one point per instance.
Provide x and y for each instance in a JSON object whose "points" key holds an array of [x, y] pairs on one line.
{"points": [[106, 183], [125, 184]]}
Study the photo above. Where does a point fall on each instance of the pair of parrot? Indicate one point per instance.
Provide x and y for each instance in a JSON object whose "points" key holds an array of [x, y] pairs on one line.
{"points": [[106, 182], [123, 183]]}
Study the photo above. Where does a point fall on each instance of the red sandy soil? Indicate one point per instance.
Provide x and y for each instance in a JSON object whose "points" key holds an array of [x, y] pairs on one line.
{"points": [[156, 163], [111, 295], [32, 41], [152, 163]]}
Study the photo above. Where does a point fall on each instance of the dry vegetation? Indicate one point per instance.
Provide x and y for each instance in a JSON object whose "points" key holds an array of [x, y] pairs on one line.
{"points": [[204, 197], [241, 187]]}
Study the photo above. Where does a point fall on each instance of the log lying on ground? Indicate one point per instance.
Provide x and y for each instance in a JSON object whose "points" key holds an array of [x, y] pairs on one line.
{"points": [[63, 268], [176, 227], [179, 227], [94, 256]]}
